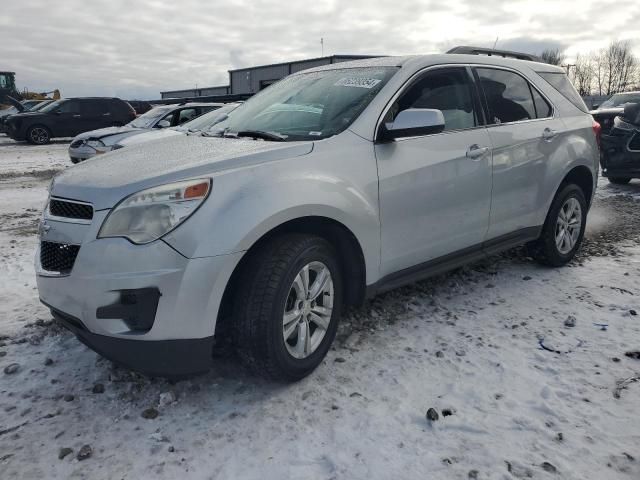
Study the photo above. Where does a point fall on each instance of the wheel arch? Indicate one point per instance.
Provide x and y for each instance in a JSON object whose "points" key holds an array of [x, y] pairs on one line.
{"points": [[581, 176], [347, 246]]}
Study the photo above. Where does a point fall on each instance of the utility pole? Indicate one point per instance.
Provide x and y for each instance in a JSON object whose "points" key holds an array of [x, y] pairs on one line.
{"points": [[322, 46]]}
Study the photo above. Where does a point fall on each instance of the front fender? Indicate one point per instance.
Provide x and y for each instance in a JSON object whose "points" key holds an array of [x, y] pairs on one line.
{"points": [[247, 203]]}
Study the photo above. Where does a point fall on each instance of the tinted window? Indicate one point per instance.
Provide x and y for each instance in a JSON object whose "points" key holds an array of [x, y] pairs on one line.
{"points": [[543, 109], [561, 83], [447, 90], [72, 106], [93, 108], [508, 96]]}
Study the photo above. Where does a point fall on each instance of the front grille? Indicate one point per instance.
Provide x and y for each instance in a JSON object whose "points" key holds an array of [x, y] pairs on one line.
{"points": [[63, 208], [58, 257]]}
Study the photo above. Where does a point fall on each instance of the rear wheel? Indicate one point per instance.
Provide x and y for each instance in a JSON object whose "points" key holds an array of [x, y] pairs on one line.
{"points": [[38, 135], [619, 180], [287, 306], [563, 229]]}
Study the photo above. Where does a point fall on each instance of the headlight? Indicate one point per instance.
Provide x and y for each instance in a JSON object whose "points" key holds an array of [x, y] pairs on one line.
{"points": [[148, 215], [98, 146]]}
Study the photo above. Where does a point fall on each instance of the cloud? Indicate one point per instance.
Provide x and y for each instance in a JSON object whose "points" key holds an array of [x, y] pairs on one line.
{"points": [[136, 49]]}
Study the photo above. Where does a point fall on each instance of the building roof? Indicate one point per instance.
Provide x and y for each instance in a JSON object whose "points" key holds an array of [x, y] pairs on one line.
{"points": [[306, 60]]}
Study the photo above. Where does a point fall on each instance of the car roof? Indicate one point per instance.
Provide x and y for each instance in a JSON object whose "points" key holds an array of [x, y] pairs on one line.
{"points": [[419, 61]]}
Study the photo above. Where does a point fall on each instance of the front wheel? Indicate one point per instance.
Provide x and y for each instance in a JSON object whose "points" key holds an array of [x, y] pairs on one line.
{"points": [[563, 229], [38, 135], [287, 306]]}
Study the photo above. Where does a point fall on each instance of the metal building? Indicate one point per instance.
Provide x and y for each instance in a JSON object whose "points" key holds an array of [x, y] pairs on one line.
{"points": [[244, 82]]}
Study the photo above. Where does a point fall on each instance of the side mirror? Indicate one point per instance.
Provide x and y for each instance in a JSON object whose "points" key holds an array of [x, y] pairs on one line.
{"points": [[632, 113], [413, 122], [595, 106], [163, 124]]}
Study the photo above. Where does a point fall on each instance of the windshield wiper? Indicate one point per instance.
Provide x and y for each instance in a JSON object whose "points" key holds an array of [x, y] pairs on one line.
{"points": [[271, 136]]}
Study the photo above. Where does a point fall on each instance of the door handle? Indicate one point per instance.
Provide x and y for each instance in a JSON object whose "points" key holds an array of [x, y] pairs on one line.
{"points": [[76, 116], [106, 114], [548, 134], [475, 151]]}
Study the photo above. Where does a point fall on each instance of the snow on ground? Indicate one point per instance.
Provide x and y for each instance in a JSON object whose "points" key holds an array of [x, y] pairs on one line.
{"points": [[466, 344]]}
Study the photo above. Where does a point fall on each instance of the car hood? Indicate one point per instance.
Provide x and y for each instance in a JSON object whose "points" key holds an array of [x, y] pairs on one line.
{"points": [[107, 179], [106, 132], [151, 135]]}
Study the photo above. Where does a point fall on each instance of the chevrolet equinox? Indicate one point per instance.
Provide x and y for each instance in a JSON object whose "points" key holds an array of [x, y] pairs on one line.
{"points": [[330, 186]]}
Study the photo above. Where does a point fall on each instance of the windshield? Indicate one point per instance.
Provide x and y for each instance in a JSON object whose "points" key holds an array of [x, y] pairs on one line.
{"points": [[620, 100], [147, 120], [309, 106], [52, 106], [208, 120], [41, 105]]}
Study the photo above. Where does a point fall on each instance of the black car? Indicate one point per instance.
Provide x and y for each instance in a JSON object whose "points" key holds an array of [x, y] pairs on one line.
{"points": [[67, 118], [620, 159], [612, 107]]}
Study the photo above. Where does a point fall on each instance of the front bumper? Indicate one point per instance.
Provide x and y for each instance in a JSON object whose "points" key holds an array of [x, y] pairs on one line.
{"points": [[171, 358], [89, 298]]}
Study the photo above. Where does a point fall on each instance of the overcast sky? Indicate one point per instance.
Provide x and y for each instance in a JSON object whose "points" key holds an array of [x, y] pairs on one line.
{"points": [[136, 48]]}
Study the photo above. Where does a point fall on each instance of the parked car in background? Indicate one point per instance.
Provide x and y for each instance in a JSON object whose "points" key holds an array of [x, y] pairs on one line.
{"points": [[202, 125], [68, 117], [605, 113], [330, 186], [25, 105], [140, 106], [94, 142], [620, 159]]}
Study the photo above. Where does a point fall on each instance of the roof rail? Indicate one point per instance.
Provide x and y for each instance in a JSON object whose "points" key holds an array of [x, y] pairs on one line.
{"points": [[495, 53]]}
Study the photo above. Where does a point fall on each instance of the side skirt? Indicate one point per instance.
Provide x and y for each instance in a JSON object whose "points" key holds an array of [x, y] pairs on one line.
{"points": [[453, 260]]}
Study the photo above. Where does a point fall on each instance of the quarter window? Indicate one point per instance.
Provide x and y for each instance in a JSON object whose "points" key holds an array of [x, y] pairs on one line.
{"points": [[543, 109], [508, 96], [447, 90]]}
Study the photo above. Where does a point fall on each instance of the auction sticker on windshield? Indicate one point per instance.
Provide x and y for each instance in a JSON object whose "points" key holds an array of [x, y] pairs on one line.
{"points": [[357, 82]]}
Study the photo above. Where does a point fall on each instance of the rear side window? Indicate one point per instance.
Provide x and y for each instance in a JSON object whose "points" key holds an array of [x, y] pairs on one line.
{"points": [[561, 83], [508, 96]]}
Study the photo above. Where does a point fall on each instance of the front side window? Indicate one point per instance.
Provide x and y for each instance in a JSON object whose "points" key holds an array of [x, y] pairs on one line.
{"points": [[310, 106], [508, 96], [447, 90], [186, 115], [70, 106]]}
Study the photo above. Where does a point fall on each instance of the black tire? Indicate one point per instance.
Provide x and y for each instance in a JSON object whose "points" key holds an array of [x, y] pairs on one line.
{"points": [[619, 180], [263, 290], [545, 250], [38, 135]]}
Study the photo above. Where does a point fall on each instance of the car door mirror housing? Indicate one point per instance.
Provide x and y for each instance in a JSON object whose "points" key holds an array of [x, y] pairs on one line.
{"points": [[163, 124], [413, 122], [595, 106]]}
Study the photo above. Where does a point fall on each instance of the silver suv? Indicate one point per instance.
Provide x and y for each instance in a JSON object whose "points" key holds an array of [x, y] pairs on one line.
{"points": [[332, 185]]}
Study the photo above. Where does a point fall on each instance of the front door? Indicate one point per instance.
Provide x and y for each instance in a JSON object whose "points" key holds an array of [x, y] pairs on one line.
{"points": [[69, 119], [435, 190]]}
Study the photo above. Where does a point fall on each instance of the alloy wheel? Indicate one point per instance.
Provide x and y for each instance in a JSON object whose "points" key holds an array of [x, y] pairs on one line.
{"points": [[39, 135], [308, 309], [568, 225]]}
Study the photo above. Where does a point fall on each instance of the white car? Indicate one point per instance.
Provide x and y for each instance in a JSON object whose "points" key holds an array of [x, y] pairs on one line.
{"points": [[89, 144], [199, 126]]}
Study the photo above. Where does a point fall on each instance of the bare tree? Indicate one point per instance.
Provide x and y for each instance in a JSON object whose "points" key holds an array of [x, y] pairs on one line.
{"points": [[614, 68], [582, 74], [553, 56]]}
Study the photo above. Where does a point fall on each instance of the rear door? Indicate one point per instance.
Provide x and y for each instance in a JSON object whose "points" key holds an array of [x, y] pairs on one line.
{"points": [[95, 114], [435, 190], [524, 133]]}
